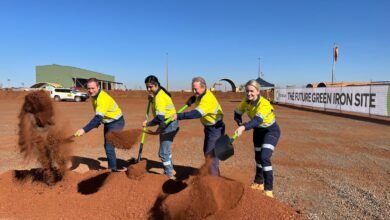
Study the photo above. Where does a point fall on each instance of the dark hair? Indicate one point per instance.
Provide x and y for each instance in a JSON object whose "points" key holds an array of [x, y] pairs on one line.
{"points": [[153, 80], [93, 80]]}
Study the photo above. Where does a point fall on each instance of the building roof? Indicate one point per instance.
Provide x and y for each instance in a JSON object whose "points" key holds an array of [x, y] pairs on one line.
{"points": [[264, 83], [39, 85]]}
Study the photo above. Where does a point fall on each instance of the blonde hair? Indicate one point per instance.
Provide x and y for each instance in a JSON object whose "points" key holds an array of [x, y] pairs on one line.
{"points": [[253, 83]]}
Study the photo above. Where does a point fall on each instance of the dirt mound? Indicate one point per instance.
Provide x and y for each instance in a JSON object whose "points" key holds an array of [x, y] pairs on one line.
{"points": [[111, 195], [124, 139], [205, 196], [42, 138], [136, 171]]}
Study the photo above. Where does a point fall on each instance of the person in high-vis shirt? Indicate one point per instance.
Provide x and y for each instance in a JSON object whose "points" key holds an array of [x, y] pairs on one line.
{"points": [[162, 109], [210, 113], [266, 133], [107, 112]]}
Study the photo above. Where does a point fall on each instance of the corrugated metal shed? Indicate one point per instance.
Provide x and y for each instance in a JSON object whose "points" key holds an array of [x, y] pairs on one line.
{"points": [[69, 76]]}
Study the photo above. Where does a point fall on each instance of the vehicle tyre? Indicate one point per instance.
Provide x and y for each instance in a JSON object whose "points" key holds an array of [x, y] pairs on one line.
{"points": [[77, 99], [57, 98]]}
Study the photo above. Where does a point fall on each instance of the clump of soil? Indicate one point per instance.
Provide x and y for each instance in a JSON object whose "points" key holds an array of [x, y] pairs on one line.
{"points": [[42, 138], [124, 139], [204, 196], [136, 171], [214, 197]]}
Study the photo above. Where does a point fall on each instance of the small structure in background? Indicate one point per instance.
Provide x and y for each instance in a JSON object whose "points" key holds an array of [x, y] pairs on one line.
{"points": [[232, 84], [267, 89]]}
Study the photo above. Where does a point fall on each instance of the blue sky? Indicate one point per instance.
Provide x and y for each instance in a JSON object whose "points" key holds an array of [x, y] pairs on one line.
{"points": [[210, 38]]}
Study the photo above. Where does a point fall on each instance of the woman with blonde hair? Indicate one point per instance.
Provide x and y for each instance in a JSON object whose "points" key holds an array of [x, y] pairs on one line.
{"points": [[266, 133]]}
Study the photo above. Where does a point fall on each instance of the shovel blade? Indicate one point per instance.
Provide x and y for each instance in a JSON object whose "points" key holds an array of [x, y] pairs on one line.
{"points": [[224, 148]]}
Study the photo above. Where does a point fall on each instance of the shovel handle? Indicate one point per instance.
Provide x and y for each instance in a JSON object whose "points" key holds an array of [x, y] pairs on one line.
{"points": [[179, 111], [234, 136], [147, 117]]}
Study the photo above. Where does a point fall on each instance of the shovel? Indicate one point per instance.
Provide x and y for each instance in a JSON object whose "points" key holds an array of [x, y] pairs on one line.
{"points": [[141, 145], [224, 147]]}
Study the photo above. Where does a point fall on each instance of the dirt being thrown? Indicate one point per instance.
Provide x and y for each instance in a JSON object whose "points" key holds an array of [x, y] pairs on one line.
{"points": [[43, 137], [124, 139]]}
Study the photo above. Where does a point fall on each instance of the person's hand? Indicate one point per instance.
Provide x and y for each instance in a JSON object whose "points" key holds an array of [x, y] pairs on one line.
{"points": [[239, 130], [79, 132], [145, 123], [174, 117], [238, 121]]}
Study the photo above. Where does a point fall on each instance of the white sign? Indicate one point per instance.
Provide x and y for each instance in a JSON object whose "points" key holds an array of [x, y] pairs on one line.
{"points": [[373, 100]]}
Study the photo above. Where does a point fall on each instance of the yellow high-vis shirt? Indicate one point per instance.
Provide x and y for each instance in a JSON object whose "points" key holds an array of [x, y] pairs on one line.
{"points": [[262, 109], [162, 105], [209, 108], [106, 106]]}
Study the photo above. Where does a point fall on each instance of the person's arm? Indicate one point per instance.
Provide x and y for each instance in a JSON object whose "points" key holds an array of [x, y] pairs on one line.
{"points": [[94, 123], [156, 120], [254, 123], [189, 115]]}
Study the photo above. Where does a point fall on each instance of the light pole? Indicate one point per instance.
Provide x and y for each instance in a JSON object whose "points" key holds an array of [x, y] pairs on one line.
{"points": [[259, 70]]}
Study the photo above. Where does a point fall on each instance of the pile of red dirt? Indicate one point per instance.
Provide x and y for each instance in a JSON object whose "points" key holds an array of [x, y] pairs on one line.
{"points": [[42, 137], [124, 139], [137, 171], [112, 195], [205, 196]]}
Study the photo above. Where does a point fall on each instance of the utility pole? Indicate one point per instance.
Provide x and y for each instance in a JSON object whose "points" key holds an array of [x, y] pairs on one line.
{"points": [[167, 70], [335, 55]]}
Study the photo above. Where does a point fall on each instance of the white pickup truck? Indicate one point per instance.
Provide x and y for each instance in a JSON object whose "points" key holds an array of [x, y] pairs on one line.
{"points": [[60, 94]]}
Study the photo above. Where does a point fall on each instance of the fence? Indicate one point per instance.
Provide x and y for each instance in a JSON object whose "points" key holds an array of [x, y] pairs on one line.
{"points": [[370, 100]]}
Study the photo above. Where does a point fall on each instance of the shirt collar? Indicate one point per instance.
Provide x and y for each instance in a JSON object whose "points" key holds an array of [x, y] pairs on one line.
{"points": [[155, 94], [96, 96], [158, 90], [201, 95], [255, 103]]}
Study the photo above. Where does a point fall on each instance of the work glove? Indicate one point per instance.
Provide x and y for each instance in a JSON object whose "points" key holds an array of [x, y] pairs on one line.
{"points": [[191, 101], [238, 119]]}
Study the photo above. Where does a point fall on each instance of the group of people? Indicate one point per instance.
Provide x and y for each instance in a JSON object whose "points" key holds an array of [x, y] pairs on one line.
{"points": [[262, 121]]}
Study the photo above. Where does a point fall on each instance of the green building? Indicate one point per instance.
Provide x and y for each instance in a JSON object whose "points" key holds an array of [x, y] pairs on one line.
{"points": [[69, 76]]}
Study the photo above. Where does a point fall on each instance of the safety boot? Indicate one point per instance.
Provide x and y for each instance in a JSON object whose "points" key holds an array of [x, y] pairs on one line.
{"points": [[173, 177], [257, 186], [269, 193]]}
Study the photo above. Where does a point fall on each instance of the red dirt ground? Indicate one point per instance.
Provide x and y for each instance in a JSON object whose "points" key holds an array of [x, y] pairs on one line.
{"points": [[325, 166]]}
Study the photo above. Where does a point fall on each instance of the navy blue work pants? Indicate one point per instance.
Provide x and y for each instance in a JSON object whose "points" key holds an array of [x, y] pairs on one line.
{"points": [[116, 125], [212, 134], [265, 140]]}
